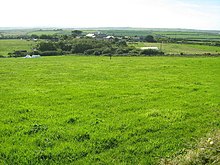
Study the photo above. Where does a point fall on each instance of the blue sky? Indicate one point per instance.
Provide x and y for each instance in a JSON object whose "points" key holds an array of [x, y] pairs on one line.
{"points": [[191, 14]]}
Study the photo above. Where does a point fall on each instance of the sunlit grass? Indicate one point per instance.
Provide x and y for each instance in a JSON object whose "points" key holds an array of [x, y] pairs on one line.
{"points": [[93, 110], [9, 46], [172, 48]]}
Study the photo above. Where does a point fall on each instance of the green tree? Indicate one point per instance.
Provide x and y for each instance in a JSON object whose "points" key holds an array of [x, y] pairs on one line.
{"points": [[149, 38], [76, 33], [46, 46], [34, 36]]}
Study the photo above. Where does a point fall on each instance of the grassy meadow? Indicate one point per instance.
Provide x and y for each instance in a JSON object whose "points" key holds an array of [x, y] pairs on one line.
{"points": [[50, 32], [172, 48], [8, 46], [93, 110], [193, 35]]}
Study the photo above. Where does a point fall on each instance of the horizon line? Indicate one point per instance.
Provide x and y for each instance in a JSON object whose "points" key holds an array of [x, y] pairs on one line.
{"points": [[98, 27]]}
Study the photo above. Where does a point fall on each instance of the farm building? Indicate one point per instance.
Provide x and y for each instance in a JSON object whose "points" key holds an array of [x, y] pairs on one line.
{"points": [[90, 35], [33, 56], [110, 37], [27, 56], [153, 48]]}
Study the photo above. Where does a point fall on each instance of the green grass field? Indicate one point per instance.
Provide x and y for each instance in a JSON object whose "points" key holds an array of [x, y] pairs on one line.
{"points": [[176, 34], [92, 110], [8, 46], [49, 32], [196, 35], [171, 48]]}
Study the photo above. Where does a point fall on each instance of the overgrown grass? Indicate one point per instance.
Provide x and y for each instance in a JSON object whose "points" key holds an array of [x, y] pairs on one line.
{"points": [[92, 110], [206, 152]]}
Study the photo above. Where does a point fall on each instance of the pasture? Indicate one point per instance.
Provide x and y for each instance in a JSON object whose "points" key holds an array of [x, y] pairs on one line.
{"points": [[93, 110], [8, 46], [191, 35], [50, 32], [195, 35], [172, 48]]}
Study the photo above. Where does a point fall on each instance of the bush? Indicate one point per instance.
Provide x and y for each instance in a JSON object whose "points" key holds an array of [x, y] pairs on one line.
{"points": [[97, 52], [18, 53], [89, 52], [46, 46], [121, 43], [134, 52], [107, 51], [50, 53], [64, 46], [82, 45], [34, 52], [150, 52], [122, 50]]}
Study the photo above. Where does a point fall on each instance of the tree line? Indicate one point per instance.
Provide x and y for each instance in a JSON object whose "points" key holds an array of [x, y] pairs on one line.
{"points": [[89, 46], [85, 46]]}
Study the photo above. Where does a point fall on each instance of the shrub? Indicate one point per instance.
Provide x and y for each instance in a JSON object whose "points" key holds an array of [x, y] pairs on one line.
{"points": [[97, 53], [107, 51], [150, 52], [89, 52], [34, 52], [46, 46], [18, 53], [122, 50], [50, 53], [134, 51], [64, 46], [121, 43]]}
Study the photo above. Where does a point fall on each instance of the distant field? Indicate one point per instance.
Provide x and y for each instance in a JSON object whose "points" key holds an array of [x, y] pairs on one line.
{"points": [[13, 33], [127, 32], [196, 35], [190, 35], [7, 46], [49, 32], [171, 48], [93, 110]]}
